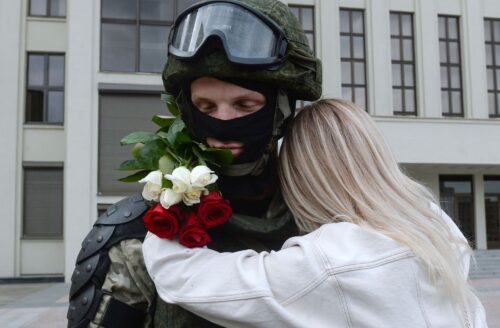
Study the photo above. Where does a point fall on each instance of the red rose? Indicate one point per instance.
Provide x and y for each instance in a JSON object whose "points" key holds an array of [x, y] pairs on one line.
{"points": [[193, 234], [213, 210], [162, 222]]}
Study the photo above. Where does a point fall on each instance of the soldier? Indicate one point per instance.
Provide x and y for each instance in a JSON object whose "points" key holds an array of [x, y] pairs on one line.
{"points": [[238, 68]]}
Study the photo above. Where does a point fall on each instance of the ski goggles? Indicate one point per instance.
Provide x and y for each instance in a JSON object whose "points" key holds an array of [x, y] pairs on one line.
{"points": [[246, 35]]}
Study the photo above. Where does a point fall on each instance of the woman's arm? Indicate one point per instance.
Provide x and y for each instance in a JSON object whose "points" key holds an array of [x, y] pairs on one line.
{"points": [[243, 288]]}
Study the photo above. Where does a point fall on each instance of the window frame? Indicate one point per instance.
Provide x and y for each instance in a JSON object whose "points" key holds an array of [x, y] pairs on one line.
{"points": [[352, 60], [300, 8], [48, 5], [448, 65], [45, 89], [402, 62], [494, 66]]}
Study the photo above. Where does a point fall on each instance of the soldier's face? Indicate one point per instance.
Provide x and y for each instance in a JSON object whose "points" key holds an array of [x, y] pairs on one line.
{"points": [[225, 101]]}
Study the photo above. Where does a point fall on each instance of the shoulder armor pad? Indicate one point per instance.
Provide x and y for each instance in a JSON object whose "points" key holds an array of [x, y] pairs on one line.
{"points": [[79, 307], [83, 273], [124, 211], [95, 240]]}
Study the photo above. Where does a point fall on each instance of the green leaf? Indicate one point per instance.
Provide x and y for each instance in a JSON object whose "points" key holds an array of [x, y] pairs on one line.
{"points": [[163, 121], [166, 183], [151, 153], [135, 177], [166, 164], [199, 155], [222, 157], [174, 129], [136, 137], [137, 149], [171, 104], [182, 140], [131, 165]]}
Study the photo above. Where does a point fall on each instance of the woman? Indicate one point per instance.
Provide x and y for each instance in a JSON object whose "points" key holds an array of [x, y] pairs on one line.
{"points": [[378, 252]]}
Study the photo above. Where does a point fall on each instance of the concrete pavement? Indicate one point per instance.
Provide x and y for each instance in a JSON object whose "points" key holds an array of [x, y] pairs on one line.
{"points": [[45, 305]]}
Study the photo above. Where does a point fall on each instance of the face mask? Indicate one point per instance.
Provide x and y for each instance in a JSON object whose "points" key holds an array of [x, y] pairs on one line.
{"points": [[253, 130]]}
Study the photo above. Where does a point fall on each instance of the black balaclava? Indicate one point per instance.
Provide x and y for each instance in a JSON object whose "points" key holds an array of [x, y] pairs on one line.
{"points": [[248, 194]]}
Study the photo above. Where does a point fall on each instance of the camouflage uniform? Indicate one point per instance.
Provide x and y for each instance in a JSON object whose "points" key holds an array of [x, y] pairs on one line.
{"points": [[110, 285]]}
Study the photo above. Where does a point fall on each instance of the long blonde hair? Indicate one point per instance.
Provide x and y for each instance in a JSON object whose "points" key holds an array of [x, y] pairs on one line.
{"points": [[336, 167]]}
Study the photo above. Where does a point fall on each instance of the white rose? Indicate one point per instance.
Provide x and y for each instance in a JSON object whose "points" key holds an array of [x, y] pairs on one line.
{"points": [[169, 197], [202, 176], [193, 196], [152, 189], [180, 178]]}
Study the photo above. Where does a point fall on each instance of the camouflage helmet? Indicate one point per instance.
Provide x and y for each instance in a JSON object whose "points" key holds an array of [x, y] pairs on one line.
{"points": [[299, 74]]}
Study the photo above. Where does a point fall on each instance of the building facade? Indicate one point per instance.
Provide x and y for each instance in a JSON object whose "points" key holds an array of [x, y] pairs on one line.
{"points": [[79, 75]]}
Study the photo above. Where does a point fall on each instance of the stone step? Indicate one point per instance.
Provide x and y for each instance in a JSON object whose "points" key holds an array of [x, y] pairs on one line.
{"points": [[487, 264]]}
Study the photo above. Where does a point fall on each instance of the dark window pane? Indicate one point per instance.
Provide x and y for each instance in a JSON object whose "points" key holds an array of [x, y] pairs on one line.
{"points": [[307, 18], [489, 54], [397, 99], [408, 75], [395, 49], [346, 73], [487, 30], [406, 25], [357, 22], [347, 93], [153, 48], [496, 30], [56, 71], [410, 101], [359, 73], [444, 77], [34, 106], [159, 10], [445, 101], [396, 74], [125, 9], [442, 27], [395, 24], [443, 52], [43, 202], [295, 11], [345, 47], [358, 47], [491, 103], [344, 21], [497, 104], [456, 102], [310, 40], [452, 28], [36, 70], [492, 207], [454, 52], [38, 7], [497, 71], [455, 77], [58, 8], [408, 50], [55, 113], [118, 47], [497, 55], [359, 94]]}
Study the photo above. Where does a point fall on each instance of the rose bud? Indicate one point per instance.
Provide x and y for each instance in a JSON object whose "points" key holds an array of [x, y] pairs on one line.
{"points": [[193, 234], [213, 210], [162, 222]]}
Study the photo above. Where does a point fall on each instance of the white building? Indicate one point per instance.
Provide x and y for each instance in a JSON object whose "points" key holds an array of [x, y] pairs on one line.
{"points": [[76, 76]]}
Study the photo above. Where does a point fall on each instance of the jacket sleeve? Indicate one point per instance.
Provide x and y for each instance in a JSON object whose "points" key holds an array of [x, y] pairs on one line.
{"points": [[244, 288]]}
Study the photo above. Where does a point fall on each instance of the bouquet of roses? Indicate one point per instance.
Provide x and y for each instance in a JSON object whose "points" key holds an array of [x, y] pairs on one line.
{"points": [[180, 186]]}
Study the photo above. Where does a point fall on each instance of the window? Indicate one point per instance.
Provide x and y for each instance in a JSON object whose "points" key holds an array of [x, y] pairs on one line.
{"points": [[119, 115], [45, 89], [457, 200], [492, 207], [134, 33], [451, 73], [403, 64], [492, 38], [43, 201], [352, 56], [47, 8]]}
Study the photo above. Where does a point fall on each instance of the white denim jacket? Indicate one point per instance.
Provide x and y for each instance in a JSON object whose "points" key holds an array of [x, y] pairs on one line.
{"points": [[340, 275]]}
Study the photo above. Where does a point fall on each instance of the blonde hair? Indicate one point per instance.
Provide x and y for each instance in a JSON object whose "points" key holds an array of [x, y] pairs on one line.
{"points": [[336, 167]]}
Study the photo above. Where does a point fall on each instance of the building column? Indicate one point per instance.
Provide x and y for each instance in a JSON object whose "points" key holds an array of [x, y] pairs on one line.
{"points": [[378, 41], [427, 51], [330, 49], [79, 207], [11, 21], [474, 60], [480, 212]]}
